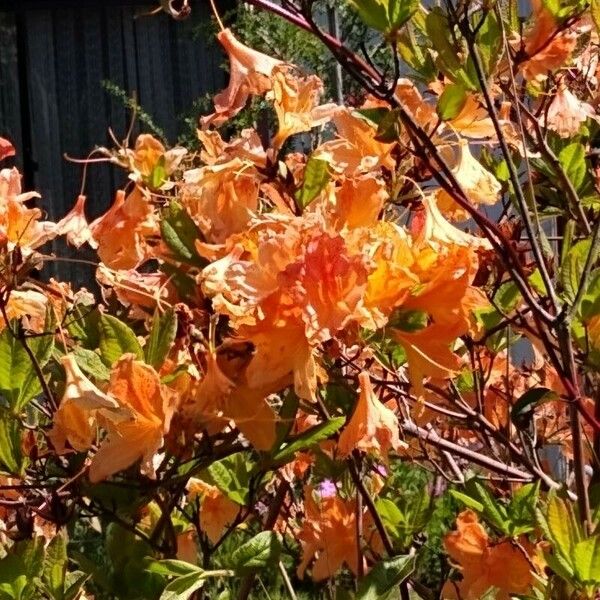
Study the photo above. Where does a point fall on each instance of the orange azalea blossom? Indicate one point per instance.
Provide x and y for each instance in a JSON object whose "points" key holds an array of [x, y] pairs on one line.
{"points": [[223, 395], [249, 74], [27, 303], [355, 150], [75, 419], [479, 185], [141, 292], [6, 149], [135, 430], [247, 147], [217, 511], [288, 280], [546, 47], [327, 536], [485, 564], [472, 120], [75, 226], [148, 154], [566, 112], [295, 100], [221, 198], [20, 225], [373, 427], [120, 233]]}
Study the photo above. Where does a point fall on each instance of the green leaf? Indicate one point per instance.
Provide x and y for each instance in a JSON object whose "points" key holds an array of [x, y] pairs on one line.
{"points": [[595, 10], [522, 411], [586, 560], [82, 325], [388, 129], [439, 34], [11, 454], [590, 303], [559, 523], [409, 320], [384, 576], [158, 175], [19, 381], [261, 551], [74, 582], [162, 336], [183, 587], [467, 500], [560, 566], [55, 567], [493, 511], [489, 42], [308, 438], [386, 16], [507, 297], [572, 160], [374, 115], [171, 567], [316, 177], [90, 363], [451, 102], [116, 339], [20, 568], [523, 503], [572, 268], [179, 232], [232, 476]]}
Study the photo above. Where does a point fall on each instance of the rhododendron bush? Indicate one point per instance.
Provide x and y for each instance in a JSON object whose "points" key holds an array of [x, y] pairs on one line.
{"points": [[367, 370]]}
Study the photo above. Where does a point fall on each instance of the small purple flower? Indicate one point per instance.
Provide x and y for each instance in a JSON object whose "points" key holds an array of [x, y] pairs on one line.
{"points": [[327, 488], [381, 470], [261, 508]]}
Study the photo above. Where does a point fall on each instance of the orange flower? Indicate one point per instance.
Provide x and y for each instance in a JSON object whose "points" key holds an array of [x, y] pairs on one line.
{"points": [[75, 419], [566, 112], [355, 150], [217, 511], [20, 225], [136, 429], [75, 226], [221, 198], [373, 426], [295, 100], [6, 149], [249, 74], [479, 185], [328, 536], [121, 231], [485, 565], [546, 47]]}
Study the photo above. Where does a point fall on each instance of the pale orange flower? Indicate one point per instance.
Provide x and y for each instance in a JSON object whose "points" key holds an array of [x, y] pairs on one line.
{"points": [[327, 536], [546, 49], [135, 431], [75, 420], [217, 511], [120, 233], [566, 113], [75, 226], [221, 198], [355, 150], [295, 100], [485, 564], [20, 225], [373, 427], [249, 74], [479, 185]]}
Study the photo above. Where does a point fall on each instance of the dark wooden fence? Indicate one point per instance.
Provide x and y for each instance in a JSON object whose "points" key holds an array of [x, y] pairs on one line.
{"points": [[54, 56]]}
